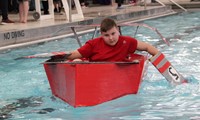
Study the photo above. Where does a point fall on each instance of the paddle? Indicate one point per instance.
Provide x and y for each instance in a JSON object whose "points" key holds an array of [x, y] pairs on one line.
{"points": [[166, 69], [64, 54]]}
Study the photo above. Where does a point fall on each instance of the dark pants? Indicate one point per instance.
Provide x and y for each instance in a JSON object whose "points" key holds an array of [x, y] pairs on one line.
{"points": [[4, 9], [119, 3], [104, 2], [81, 1], [13, 5], [45, 7], [31, 5]]}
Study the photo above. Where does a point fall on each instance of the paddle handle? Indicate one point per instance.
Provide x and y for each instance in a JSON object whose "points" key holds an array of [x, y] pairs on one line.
{"points": [[166, 69], [46, 55]]}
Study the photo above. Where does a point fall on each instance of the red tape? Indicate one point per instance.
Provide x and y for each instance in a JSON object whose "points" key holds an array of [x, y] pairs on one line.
{"points": [[164, 67], [159, 59]]}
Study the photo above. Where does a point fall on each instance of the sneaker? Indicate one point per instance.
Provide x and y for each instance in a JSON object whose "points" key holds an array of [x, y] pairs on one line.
{"points": [[120, 7], [61, 13], [3, 22], [46, 12]]}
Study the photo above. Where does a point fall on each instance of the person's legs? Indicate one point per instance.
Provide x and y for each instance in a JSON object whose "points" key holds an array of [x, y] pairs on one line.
{"points": [[26, 9], [10, 6], [4, 9], [46, 7], [119, 3], [15, 6], [82, 2], [56, 5], [59, 6], [86, 3], [31, 5], [21, 12]]}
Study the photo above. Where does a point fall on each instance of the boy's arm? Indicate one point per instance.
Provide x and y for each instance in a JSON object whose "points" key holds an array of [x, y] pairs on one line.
{"points": [[142, 46], [74, 55]]}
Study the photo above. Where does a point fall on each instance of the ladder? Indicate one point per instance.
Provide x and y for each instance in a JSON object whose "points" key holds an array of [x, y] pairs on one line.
{"points": [[67, 9]]}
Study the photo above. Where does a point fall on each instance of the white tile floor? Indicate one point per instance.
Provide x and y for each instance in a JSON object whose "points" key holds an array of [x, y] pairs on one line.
{"points": [[91, 12]]}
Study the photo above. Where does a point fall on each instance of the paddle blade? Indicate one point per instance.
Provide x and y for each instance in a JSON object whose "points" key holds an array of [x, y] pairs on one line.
{"points": [[166, 69], [46, 55]]}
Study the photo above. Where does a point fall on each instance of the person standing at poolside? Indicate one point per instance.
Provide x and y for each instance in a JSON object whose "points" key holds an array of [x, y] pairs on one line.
{"points": [[119, 4], [110, 46], [45, 6], [84, 3], [57, 6], [4, 10], [23, 10]]}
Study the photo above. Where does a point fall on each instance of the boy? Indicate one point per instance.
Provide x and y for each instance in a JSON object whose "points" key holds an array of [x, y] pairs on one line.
{"points": [[110, 46]]}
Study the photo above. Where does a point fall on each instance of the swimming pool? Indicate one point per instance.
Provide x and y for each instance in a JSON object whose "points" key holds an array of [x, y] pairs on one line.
{"points": [[25, 93]]}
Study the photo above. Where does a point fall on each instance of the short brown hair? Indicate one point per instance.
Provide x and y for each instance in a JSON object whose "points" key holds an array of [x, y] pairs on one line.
{"points": [[107, 24]]}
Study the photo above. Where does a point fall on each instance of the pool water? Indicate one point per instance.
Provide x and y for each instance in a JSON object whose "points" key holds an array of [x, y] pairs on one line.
{"points": [[25, 93]]}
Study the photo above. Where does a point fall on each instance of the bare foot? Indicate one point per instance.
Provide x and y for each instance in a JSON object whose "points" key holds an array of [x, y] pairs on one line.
{"points": [[20, 21], [23, 21]]}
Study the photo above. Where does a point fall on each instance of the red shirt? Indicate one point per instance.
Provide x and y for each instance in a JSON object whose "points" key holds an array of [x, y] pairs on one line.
{"points": [[97, 50]]}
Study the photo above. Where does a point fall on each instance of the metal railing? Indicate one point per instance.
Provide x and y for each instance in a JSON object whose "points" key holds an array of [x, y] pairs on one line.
{"points": [[159, 1]]}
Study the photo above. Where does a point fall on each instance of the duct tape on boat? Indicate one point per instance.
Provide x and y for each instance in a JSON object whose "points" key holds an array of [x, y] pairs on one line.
{"points": [[166, 69]]}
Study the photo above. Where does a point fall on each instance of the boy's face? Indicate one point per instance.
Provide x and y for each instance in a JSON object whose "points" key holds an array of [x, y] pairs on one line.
{"points": [[111, 36]]}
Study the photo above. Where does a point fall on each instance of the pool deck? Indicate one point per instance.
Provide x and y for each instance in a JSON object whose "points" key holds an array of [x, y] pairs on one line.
{"points": [[32, 32]]}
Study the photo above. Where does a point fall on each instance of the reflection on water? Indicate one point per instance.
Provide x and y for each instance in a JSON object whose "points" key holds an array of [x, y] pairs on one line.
{"points": [[25, 92]]}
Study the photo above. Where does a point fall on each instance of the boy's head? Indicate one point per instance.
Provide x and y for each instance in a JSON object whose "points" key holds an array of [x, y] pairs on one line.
{"points": [[107, 24], [109, 31]]}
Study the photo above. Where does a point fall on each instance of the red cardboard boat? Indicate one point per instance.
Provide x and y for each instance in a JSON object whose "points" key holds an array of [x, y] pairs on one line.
{"points": [[92, 83]]}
